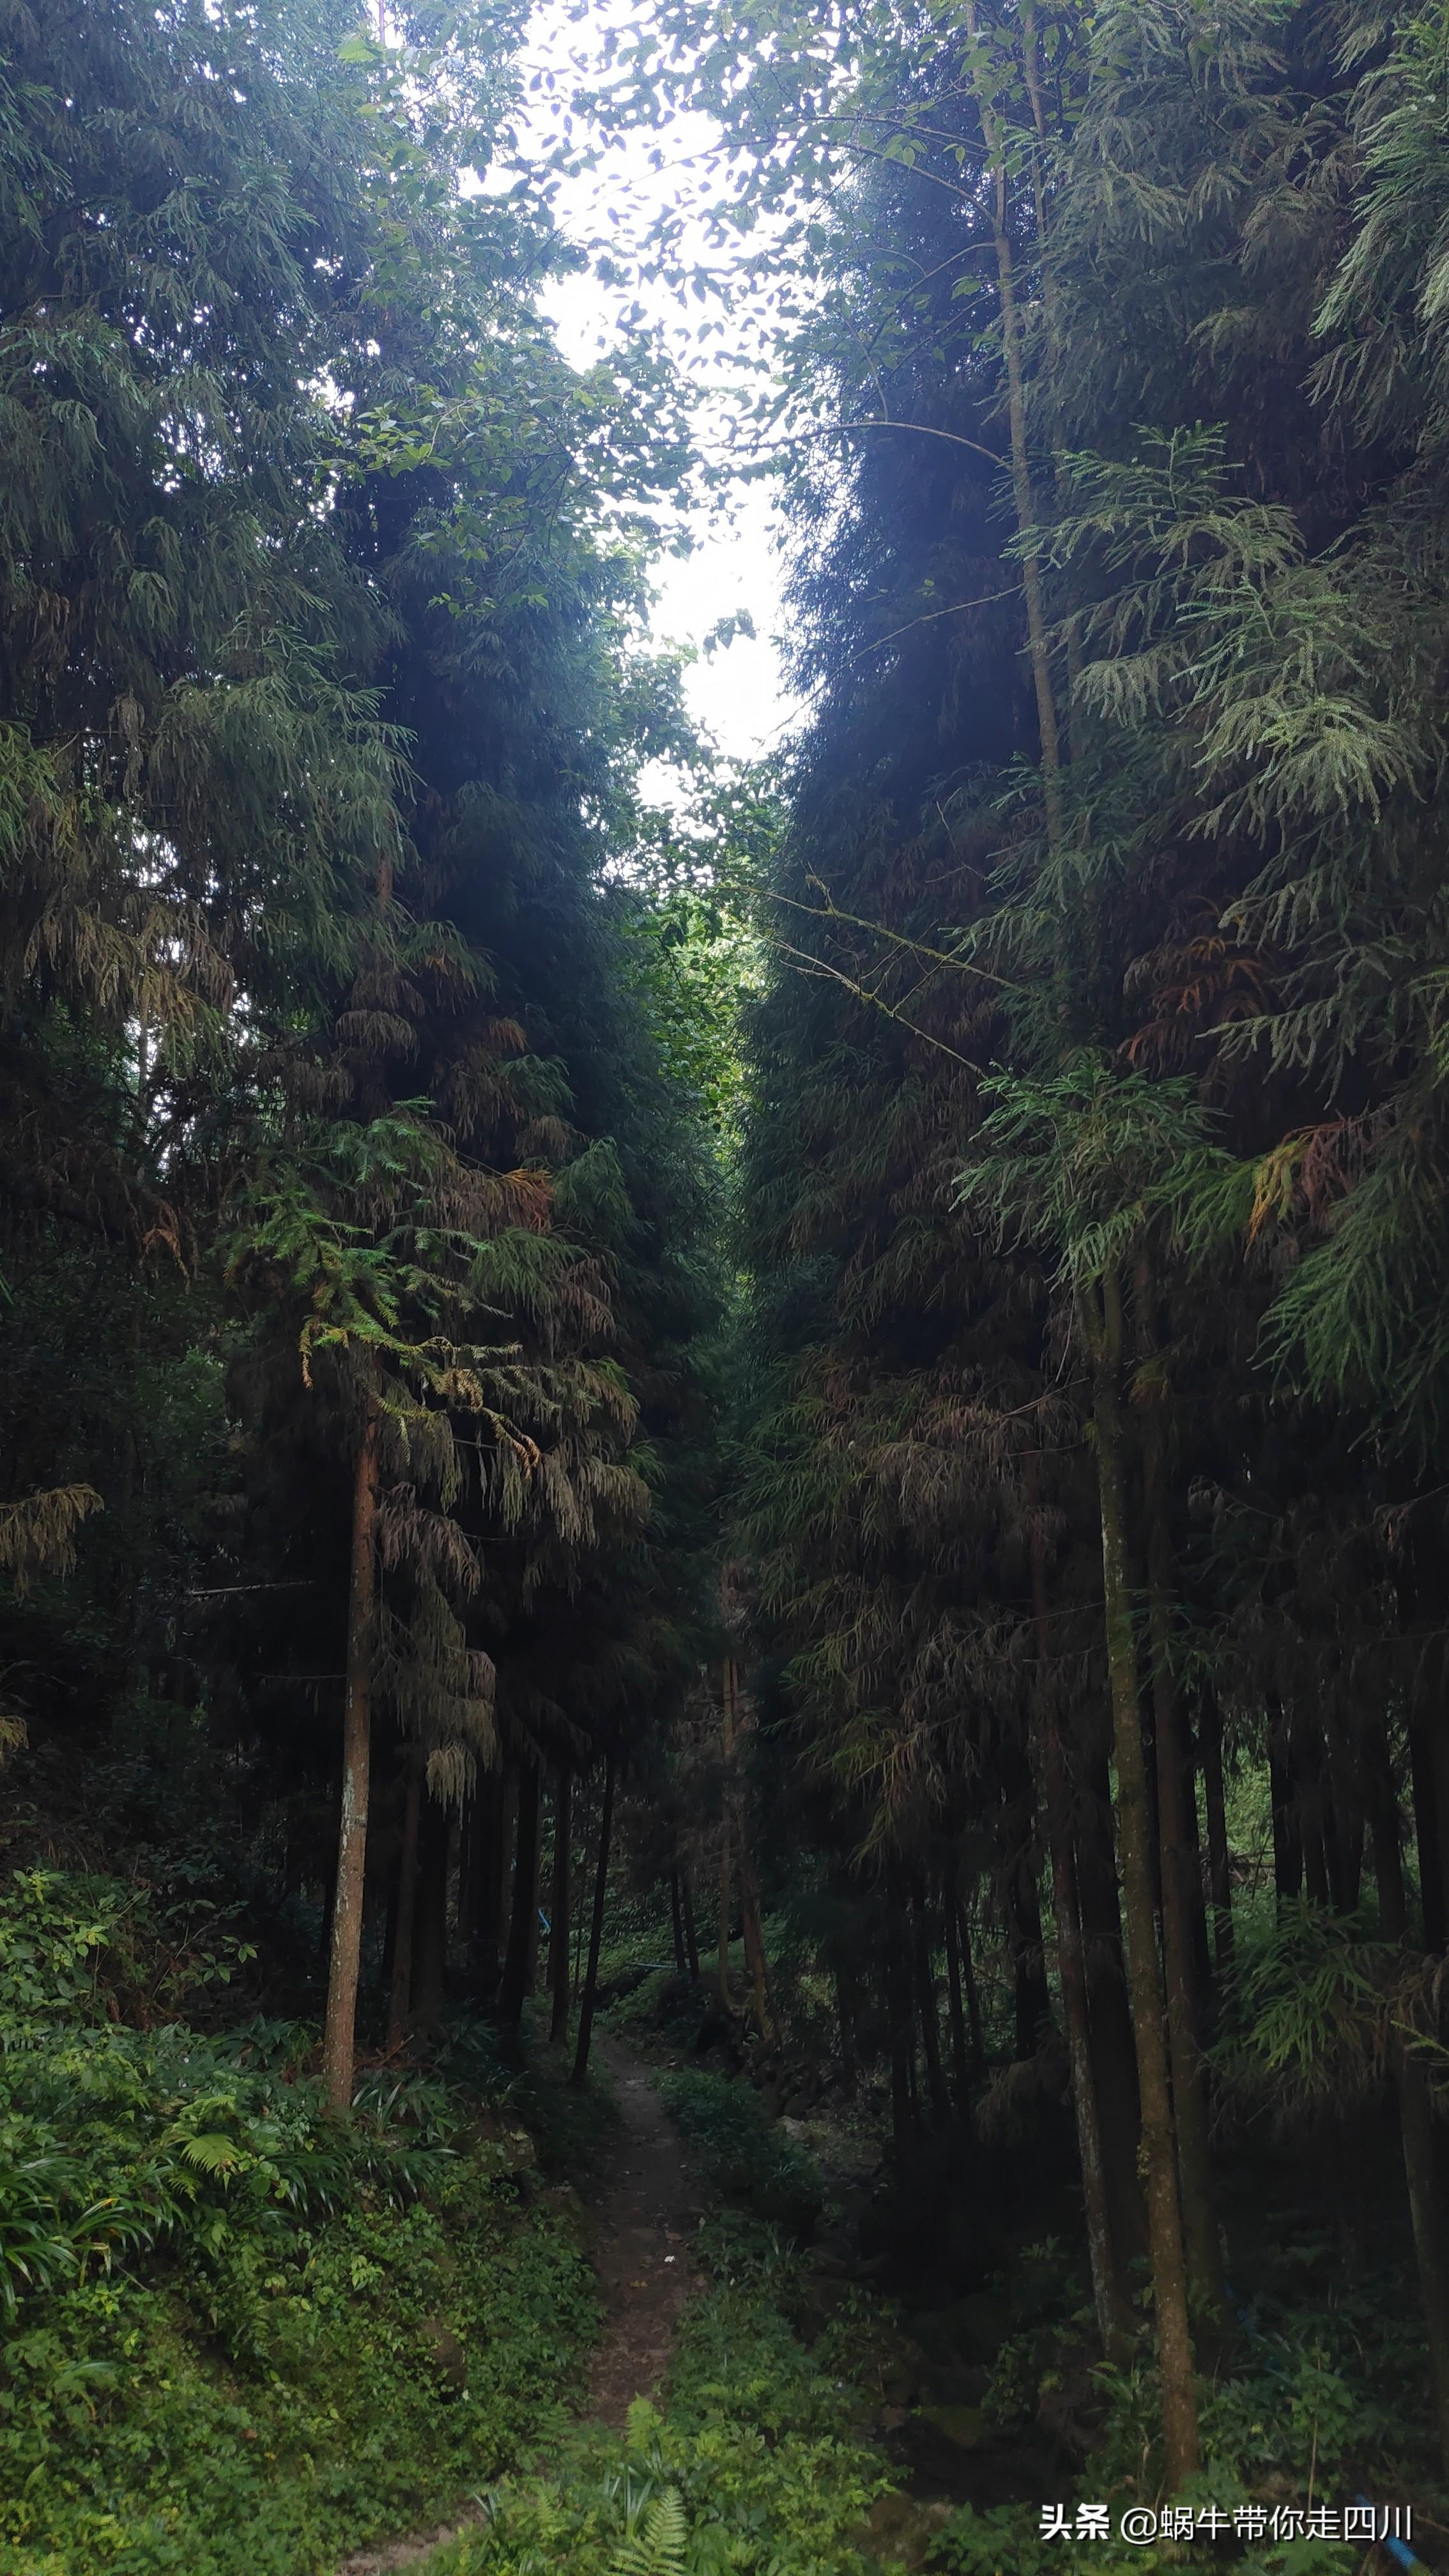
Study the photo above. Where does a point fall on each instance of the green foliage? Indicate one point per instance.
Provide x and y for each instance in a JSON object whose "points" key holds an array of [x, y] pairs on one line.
{"points": [[241, 2335], [747, 2156], [749, 2471]]}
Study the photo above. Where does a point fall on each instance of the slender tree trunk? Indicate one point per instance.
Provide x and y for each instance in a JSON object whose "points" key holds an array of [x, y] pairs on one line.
{"points": [[1114, 2051], [754, 1939], [535, 1924], [846, 2021], [482, 1869], [691, 1941], [1210, 1741], [430, 1926], [1020, 1905], [926, 2005], [493, 1908], [1428, 1836], [579, 1951], [1011, 335], [1342, 1823], [389, 1932], [1193, 1881], [974, 2021], [960, 2056], [899, 2013], [750, 1925], [1179, 1855], [725, 1870], [596, 1930], [329, 1908], [1108, 2295], [1287, 1828], [676, 1922], [525, 1900], [467, 1870], [1416, 2117], [401, 1981], [1159, 2160], [340, 2033], [558, 1939]]}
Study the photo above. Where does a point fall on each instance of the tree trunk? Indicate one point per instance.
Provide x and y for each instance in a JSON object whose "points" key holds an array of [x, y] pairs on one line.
{"points": [[676, 1922], [340, 2034], [1287, 1829], [1429, 1840], [960, 2056], [754, 1939], [845, 2018], [1114, 2051], [476, 1894], [430, 1927], [926, 2004], [465, 1872], [558, 1938], [1193, 1881], [974, 2021], [494, 1890], [1210, 1744], [691, 1941], [1159, 2160], [1020, 1905], [1416, 2116], [1342, 1825], [525, 1901], [1108, 2296], [596, 1930], [535, 1920], [725, 1870], [401, 1982], [1011, 334], [1179, 1853], [899, 2013]]}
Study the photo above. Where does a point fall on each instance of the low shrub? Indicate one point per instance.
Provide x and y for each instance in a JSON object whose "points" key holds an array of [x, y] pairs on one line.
{"points": [[242, 2336], [749, 2471], [748, 2157]]}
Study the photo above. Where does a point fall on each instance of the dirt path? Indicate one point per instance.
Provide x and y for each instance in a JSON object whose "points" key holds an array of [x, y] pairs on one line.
{"points": [[643, 2218]]}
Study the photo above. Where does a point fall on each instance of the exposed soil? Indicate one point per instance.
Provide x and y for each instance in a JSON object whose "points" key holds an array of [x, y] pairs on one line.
{"points": [[643, 2215], [646, 2216]]}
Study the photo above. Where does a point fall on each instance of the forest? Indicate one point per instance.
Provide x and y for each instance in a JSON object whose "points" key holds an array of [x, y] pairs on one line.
{"points": [[724, 1505]]}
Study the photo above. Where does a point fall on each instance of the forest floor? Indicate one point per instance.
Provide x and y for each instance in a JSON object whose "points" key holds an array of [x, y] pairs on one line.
{"points": [[646, 2216], [644, 2205]]}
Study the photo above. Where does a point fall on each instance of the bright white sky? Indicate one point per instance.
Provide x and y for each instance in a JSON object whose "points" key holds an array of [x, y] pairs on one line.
{"points": [[739, 692]]}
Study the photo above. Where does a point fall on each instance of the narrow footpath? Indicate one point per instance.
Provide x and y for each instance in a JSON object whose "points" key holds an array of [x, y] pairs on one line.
{"points": [[645, 2219], [642, 2218]]}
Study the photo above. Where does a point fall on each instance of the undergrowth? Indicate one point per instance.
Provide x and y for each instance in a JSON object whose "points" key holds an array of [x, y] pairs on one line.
{"points": [[1313, 2401], [240, 2336], [750, 2470], [748, 2157]]}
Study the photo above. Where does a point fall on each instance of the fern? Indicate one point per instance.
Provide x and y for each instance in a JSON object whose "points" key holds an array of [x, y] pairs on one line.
{"points": [[657, 2544]]}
